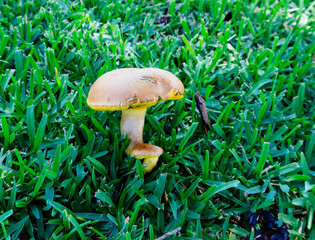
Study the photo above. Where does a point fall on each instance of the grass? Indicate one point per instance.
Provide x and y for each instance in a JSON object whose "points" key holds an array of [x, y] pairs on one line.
{"points": [[63, 170]]}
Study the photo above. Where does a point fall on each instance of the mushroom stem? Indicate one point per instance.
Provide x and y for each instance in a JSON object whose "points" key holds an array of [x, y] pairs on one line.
{"points": [[131, 125]]}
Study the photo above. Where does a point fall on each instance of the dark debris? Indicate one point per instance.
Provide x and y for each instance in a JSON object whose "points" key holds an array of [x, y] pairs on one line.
{"points": [[228, 16], [163, 20], [253, 219], [268, 224]]}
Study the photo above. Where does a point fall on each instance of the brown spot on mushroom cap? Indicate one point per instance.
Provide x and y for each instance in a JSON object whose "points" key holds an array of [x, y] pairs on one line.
{"points": [[132, 87], [145, 149]]}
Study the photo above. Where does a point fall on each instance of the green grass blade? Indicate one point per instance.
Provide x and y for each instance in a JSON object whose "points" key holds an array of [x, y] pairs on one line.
{"points": [[6, 133], [262, 159], [188, 135], [40, 132], [30, 121], [6, 215], [40, 181], [105, 198], [77, 226]]}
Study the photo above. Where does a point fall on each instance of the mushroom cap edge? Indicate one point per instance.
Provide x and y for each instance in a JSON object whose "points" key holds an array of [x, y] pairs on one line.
{"points": [[142, 88]]}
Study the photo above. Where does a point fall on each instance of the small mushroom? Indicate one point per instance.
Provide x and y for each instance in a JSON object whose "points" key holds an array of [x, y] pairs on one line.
{"points": [[149, 153], [132, 91]]}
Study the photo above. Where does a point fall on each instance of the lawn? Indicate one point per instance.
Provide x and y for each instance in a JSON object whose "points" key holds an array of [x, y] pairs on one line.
{"points": [[64, 173]]}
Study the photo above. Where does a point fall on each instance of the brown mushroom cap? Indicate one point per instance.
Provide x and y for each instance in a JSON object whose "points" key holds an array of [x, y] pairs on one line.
{"points": [[145, 150], [132, 87]]}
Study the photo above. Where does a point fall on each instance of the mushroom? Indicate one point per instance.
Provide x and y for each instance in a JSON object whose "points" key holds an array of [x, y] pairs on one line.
{"points": [[132, 91], [149, 153]]}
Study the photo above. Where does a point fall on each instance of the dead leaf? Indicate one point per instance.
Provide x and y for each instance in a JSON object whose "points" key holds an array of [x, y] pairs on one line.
{"points": [[201, 105]]}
